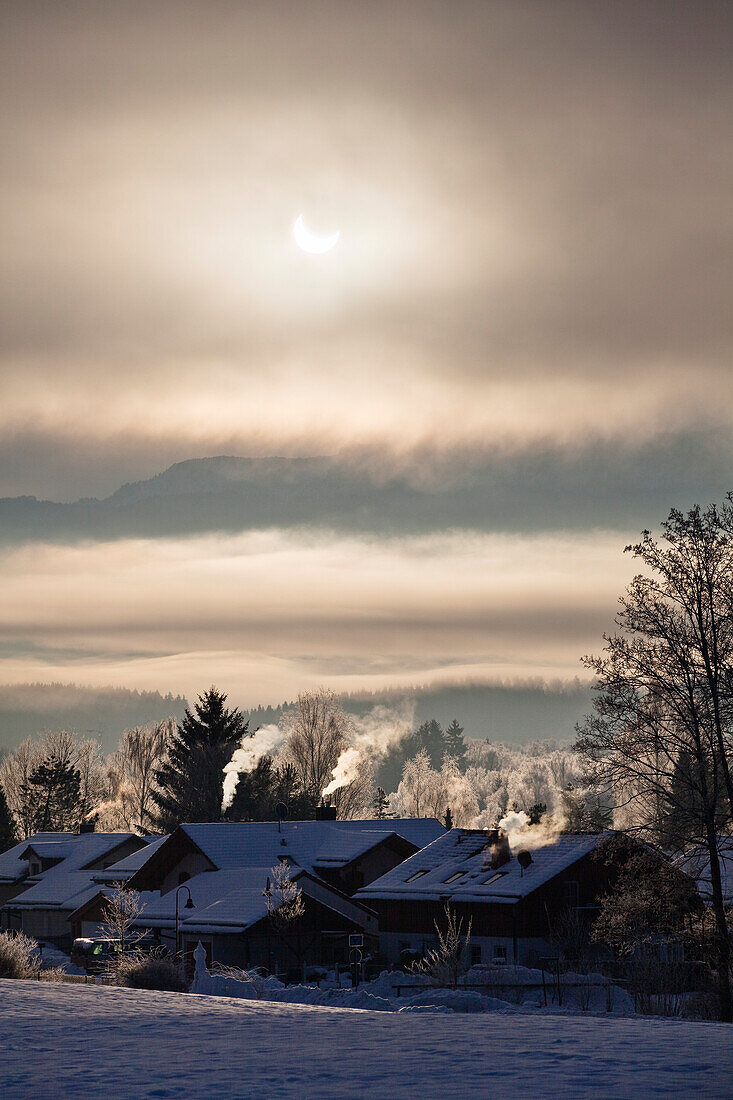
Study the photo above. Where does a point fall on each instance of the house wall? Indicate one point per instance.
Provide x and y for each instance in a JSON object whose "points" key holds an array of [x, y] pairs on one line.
{"points": [[367, 868], [524, 926], [192, 863], [50, 925], [321, 939], [133, 844], [10, 890]]}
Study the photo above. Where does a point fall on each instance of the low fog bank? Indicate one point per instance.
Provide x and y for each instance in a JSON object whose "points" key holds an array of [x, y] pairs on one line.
{"points": [[515, 713], [102, 713]]}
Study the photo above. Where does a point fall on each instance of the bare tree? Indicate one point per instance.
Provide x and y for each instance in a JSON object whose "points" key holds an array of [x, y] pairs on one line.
{"points": [[131, 775], [445, 963], [120, 913], [660, 734], [285, 907], [317, 731]]}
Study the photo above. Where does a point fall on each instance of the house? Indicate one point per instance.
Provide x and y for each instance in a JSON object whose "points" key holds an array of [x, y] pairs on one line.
{"points": [[48, 876], [696, 864], [224, 869], [511, 899]]}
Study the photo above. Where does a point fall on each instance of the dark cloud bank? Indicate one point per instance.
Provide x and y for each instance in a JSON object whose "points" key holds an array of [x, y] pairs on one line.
{"points": [[542, 490]]}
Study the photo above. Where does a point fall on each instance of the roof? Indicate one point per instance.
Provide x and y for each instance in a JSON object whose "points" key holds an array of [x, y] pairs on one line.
{"points": [[69, 883], [13, 867], [231, 901], [460, 856], [696, 864], [126, 867], [309, 844], [65, 890]]}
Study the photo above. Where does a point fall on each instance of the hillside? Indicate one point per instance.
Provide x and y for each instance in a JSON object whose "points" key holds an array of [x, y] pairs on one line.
{"points": [[28, 709]]}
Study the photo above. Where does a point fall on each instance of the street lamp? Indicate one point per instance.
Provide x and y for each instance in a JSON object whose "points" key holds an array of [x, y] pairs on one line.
{"points": [[189, 905]]}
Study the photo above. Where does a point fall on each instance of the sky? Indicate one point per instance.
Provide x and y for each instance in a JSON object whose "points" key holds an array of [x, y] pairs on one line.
{"points": [[530, 289]]}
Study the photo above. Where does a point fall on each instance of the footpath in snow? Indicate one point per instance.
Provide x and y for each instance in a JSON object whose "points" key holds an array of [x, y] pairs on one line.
{"points": [[91, 1041]]}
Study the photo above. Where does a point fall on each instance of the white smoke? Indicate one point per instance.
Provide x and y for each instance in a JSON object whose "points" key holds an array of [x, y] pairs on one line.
{"points": [[373, 736], [267, 739], [521, 834], [345, 771]]}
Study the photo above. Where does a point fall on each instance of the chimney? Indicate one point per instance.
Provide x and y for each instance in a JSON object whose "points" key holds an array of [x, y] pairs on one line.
{"points": [[497, 850], [325, 813], [87, 825], [524, 859]]}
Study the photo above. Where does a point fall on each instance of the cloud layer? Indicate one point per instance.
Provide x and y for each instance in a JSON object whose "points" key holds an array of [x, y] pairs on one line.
{"points": [[524, 331]]}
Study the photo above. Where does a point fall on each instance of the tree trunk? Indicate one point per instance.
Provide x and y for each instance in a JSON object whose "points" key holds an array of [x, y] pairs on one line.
{"points": [[721, 929]]}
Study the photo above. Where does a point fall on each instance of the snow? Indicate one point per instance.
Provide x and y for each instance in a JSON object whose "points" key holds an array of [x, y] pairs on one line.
{"points": [[125, 1042], [463, 852], [261, 843], [71, 882]]}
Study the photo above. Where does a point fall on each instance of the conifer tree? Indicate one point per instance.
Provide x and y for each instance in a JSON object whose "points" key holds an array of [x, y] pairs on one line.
{"points": [[380, 804], [255, 796], [8, 835], [455, 746], [191, 781], [448, 819], [52, 796]]}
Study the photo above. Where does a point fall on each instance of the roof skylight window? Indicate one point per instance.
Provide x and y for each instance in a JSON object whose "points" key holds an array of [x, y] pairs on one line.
{"points": [[454, 877], [493, 878], [418, 874]]}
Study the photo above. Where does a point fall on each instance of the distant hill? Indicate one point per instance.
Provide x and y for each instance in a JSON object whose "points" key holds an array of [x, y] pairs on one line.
{"points": [[28, 709], [504, 492], [512, 713]]}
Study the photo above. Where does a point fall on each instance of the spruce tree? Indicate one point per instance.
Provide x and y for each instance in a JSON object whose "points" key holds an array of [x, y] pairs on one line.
{"points": [[380, 804], [52, 793], [255, 796], [455, 746], [191, 782], [448, 822], [8, 835]]}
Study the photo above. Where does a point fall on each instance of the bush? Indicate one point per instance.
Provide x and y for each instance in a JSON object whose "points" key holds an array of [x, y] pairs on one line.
{"points": [[150, 971], [18, 956], [52, 974]]}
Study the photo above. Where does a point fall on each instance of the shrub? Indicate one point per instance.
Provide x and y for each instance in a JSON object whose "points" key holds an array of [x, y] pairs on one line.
{"points": [[150, 971], [52, 974], [18, 956]]}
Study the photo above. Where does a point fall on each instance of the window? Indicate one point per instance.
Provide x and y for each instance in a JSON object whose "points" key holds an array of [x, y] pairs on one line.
{"points": [[500, 954], [454, 877], [572, 894], [493, 878], [418, 874], [35, 868], [475, 954]]}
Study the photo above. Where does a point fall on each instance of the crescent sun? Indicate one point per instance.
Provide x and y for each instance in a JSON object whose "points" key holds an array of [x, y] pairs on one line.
{"points": [[312, 242]]}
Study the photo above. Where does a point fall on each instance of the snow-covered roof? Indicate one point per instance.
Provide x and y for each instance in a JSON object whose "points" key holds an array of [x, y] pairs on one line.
{"points": [[309, 844], [456, 866], [228, 901], [696, 864], [13, 867], [65, 890], [69, 883], [124, 868]]}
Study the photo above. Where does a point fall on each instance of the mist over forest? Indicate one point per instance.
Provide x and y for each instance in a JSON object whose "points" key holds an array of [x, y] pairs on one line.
{"points": [[512, 713]]}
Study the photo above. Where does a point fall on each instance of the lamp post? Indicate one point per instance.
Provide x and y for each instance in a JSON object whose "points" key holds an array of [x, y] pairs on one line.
{"points": [[189, 905]]}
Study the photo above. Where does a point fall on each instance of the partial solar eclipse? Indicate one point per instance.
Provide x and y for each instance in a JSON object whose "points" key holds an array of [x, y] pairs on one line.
{"points": [[312, 242]]}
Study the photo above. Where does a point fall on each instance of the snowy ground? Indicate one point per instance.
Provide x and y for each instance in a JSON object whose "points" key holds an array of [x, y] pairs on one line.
{"points": [[92, 1041]]}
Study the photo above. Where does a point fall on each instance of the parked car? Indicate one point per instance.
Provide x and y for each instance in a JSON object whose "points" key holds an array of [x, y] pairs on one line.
{"points": [[94, 955]]}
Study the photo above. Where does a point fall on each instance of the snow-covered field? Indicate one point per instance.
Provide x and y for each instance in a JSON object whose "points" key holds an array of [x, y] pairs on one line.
{"points": [[92, 1041]]}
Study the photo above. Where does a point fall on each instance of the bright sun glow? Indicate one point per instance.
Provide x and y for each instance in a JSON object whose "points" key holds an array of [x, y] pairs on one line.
{"points": [[309, 241]]}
